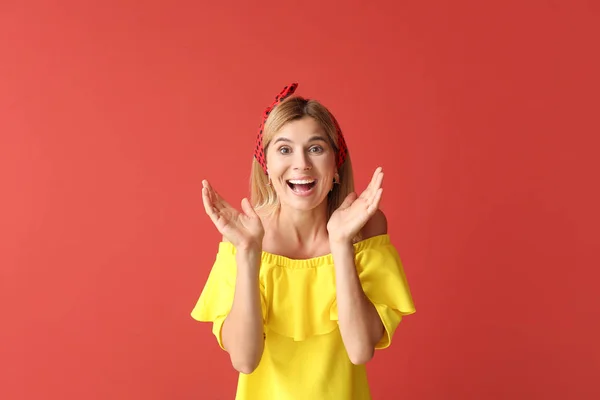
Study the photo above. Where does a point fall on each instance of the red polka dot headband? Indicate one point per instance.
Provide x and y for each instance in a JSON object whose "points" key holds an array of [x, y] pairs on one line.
{"points": [[287, 91]]}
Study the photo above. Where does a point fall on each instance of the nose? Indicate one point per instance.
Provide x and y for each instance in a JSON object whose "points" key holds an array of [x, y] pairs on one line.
{"points": [[302, 162]]}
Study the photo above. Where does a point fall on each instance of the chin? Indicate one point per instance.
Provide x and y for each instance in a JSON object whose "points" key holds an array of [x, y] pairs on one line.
{"points": [[302, 206], [303, 201]]}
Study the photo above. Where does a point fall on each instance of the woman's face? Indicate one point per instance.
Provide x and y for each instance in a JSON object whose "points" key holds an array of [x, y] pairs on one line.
{"points": [[301, 164]]}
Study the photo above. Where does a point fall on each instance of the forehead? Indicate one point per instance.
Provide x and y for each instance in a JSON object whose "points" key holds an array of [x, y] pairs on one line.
{"points": [[301, 130]]}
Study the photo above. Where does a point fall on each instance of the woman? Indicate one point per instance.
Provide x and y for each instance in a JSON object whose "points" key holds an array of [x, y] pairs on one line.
{"points": [[306, 284]]}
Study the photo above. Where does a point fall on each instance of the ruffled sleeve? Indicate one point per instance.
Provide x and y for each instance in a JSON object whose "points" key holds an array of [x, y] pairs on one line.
{"points": [[383, 280], [216, 299]]}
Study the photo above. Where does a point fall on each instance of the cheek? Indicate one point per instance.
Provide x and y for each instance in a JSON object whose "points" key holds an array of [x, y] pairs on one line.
{"points": [[329, 160], [327, 166], [278, 165], [276, 171]]}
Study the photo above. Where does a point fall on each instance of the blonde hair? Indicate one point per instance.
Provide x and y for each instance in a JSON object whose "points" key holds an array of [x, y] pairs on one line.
{"points": [[262, 195]]}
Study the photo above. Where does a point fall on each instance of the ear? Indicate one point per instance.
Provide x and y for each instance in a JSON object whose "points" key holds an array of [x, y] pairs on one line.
{"points": [[375, 226]]}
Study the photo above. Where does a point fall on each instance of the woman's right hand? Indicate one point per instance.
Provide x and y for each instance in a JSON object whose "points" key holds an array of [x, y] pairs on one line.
{"points": [[243, 229]]}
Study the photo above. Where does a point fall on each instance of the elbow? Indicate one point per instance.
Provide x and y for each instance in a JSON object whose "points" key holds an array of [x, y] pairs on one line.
{"points": [[361, 357], [245, 368]]}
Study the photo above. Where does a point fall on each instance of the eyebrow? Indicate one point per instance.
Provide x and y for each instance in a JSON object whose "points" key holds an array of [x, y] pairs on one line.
{"points": [[283, 139]]}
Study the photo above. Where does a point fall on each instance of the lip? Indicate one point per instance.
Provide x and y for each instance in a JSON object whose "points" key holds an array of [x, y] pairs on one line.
{"points": [[302, 194], [301, 178]]}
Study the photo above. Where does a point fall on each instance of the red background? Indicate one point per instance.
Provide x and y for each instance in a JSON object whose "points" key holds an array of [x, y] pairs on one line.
{"points": [[484, 116]]}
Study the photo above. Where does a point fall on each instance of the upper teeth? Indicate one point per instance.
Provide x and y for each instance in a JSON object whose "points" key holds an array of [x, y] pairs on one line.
{"points": [[300, 181]]}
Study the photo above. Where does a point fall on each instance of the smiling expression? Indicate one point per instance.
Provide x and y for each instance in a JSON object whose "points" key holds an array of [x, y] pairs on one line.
{"points": [[301, 164]]}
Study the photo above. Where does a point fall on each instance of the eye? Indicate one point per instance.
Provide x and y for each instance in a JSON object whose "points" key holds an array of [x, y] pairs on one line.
{"points": [[315, 149], [284, 150]]}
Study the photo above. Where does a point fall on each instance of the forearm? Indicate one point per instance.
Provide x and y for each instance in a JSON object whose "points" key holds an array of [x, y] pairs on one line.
{"points": [[242, 332], [360, 324]]}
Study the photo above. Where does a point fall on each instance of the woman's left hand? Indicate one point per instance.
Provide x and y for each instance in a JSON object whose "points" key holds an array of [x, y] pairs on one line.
{"points": [[347, 221]]}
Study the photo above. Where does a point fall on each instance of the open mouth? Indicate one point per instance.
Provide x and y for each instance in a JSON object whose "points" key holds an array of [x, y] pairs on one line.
{"points": [[301, 185]]}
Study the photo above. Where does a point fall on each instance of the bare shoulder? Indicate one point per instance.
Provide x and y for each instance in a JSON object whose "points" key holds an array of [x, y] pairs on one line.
{"points": [[375, 226]]}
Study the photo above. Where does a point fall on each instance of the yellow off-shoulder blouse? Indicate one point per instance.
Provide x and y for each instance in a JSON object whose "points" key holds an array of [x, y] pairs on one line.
{"points": [[304, 356]]}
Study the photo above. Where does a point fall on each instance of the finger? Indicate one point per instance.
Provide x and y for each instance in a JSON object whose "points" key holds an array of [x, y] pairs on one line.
{"points": [[207, 185], [209, 190], [372, 187], [248, 209], [376, 185], [214, 196], [379, 181], [375, 176], [206, 199], [348, 201], [378, 171], [209, 207], [376, 200], [218, 201]]}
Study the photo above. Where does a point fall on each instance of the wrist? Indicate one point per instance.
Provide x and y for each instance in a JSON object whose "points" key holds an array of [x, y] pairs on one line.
{"points": [[248, 258], [249, 248], [341, 245], [339, 240]]}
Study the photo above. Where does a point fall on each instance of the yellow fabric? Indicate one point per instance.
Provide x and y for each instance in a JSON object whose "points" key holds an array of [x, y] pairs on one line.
{"points": [[304, 356]]}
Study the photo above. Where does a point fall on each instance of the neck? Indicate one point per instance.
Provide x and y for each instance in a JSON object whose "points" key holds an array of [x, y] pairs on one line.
{"points": [[302, 227]]}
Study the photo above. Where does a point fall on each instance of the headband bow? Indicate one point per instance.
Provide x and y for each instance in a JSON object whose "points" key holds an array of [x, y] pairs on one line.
{"points": [[287, 91]]}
